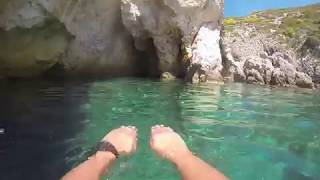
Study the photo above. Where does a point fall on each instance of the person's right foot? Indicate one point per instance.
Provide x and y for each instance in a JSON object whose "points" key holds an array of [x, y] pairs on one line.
{"points": [[167, 143]]}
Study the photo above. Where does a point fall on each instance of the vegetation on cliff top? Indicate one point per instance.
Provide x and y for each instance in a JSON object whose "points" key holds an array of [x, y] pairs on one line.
{"points": [[287, 23]]}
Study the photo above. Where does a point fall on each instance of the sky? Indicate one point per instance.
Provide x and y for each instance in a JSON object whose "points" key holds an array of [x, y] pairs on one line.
{"points": [[246, 7]]}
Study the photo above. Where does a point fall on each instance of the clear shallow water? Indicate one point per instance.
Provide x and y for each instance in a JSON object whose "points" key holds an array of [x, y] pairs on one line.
{"points": [[248, 132]]}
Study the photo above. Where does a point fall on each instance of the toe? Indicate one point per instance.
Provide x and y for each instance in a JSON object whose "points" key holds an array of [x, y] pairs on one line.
{"points": [[160, 129], [155, 129]]}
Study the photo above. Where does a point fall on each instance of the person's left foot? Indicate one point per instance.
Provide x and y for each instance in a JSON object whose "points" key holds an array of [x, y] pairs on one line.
{"points": [[124, 139]]}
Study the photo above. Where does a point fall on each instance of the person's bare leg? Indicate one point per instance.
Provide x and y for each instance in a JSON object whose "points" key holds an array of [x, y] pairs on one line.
{"points": [[169, 145], [124, 140]]}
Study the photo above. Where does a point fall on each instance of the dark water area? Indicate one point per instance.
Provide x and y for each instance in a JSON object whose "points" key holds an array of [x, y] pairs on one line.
{"points": [[36, 118], [248, 132]]}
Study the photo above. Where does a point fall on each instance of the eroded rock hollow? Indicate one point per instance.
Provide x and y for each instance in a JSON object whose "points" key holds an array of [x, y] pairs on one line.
{"points": [[167, 38], [186, 35], [87, 38]]}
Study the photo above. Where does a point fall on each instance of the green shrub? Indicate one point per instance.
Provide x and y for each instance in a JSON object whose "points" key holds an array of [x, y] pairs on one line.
{"points": [[251, 20], [290, 32], [229, 22]]}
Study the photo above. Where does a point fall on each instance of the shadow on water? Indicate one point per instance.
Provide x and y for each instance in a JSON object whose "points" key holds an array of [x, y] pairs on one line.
{"points": [[294, 174], [47, 127], [38, 121]]}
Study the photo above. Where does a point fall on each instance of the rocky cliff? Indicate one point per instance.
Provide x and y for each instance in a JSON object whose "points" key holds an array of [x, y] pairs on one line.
{"points": [[161, 38], [277, 47], [185, 34], [79, 37], [176, 38]]}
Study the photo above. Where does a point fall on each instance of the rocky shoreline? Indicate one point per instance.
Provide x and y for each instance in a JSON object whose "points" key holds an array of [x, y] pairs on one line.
{"points": [[261, 60], [273, 47], [167, 39]]}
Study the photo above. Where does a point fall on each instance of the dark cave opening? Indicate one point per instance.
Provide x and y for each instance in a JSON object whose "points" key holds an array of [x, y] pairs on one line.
{"points": [[147, 63]]}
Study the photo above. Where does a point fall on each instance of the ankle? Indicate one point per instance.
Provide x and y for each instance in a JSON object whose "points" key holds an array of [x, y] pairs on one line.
{"points": [[181, 157]]}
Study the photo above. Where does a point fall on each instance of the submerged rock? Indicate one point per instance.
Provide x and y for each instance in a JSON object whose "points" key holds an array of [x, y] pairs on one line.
{"points": [[166, 76], [292, 173]]}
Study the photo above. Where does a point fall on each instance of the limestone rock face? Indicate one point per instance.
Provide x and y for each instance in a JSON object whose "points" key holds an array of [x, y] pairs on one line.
{"points": [[185, 34], [109, 37], [206, 55], [309, 53], [278, 38], [303, 80], [258, 70], [29, 52], [256, 58], [91, 38]]}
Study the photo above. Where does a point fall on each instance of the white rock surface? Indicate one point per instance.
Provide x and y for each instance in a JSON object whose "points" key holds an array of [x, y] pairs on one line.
{"points": [[178, 27], [206, 52]]}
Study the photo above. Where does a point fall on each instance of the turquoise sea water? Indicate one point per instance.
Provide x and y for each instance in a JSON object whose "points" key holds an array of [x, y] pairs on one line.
{"points": [[248, 132], [246, 7]]}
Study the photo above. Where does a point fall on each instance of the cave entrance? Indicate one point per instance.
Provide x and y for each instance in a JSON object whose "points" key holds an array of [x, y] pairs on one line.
{"points": [[148, 61]]}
